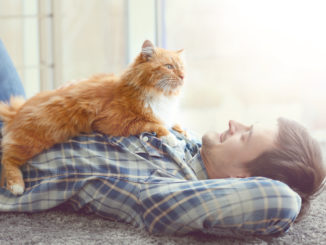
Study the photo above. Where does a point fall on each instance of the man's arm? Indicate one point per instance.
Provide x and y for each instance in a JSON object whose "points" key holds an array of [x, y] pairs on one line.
{"points": [[256, 206]]}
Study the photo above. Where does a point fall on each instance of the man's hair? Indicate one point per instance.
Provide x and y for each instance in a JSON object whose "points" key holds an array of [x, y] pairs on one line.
{"points": [[296, 161]]}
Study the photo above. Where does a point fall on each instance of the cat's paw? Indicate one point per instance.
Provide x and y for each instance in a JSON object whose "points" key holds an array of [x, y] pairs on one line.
{"points": [[170, 139], [16, 189], [181, 131]]}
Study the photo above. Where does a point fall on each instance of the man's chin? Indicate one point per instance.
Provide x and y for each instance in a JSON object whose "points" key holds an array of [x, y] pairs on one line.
{"points": [[211, 138]]}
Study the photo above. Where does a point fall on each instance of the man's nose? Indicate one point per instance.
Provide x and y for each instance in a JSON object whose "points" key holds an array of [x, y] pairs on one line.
{"points": [[235, 126], [232, 126]]}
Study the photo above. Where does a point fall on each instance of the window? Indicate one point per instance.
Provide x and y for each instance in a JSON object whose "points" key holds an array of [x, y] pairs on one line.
{"points": [[19, 32]]}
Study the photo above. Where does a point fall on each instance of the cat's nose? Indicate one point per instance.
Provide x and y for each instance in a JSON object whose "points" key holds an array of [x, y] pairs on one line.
{"points": [[181, 76]]}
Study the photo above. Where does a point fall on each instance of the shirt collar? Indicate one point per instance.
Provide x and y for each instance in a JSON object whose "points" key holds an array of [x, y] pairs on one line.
{"points": [[197, 165]]}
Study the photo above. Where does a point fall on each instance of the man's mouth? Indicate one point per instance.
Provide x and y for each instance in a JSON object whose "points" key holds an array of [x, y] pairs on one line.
{"points": [[223, 136]]}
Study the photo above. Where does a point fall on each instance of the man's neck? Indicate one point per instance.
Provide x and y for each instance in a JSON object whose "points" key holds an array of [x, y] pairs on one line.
{"points": [[210, 169]]}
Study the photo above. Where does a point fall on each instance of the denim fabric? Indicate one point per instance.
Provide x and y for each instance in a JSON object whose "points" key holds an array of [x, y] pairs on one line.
{"points": [[10, 83]]}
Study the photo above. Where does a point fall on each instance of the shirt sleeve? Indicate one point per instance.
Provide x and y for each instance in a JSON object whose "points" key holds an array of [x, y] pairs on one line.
{"points": [[256, 206]]}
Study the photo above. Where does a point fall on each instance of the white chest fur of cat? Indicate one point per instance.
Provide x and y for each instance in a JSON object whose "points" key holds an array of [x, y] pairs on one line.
{"points": [[165, 109]]}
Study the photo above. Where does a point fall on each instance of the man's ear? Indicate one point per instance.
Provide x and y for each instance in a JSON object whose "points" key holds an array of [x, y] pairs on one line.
{"points": [[148, 50]]}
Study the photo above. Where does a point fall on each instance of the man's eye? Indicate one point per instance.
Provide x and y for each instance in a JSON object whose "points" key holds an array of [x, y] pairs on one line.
{"points": [[169, 66], [244, 137]]}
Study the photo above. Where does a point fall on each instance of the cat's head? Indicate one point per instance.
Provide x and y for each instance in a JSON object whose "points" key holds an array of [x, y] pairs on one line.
{"points": [[158, 69]]}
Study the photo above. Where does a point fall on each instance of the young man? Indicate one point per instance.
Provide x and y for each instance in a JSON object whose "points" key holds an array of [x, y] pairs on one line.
{"points": [[285, 152], [142, 181]]}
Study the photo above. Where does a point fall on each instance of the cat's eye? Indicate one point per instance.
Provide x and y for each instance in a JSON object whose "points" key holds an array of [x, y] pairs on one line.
{"points": [[169, 66]]}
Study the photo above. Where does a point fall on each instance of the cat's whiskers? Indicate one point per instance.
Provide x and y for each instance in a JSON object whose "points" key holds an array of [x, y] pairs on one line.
{"points": [[168, 84]]}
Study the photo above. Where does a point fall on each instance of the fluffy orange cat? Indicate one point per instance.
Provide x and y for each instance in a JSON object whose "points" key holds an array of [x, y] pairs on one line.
{"points": [[140, 100]]}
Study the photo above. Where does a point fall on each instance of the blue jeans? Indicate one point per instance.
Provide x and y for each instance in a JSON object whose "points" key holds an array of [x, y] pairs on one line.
{"points": [[10, 83]]}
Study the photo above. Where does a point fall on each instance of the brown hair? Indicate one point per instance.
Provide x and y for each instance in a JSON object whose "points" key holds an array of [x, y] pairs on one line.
{"points": [[296, 161]]}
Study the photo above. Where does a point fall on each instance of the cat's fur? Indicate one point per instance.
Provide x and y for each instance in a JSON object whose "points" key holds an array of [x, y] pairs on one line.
{"points": [[137, 101]]}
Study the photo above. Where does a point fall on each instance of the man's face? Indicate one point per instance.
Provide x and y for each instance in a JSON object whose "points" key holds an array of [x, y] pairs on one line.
{"points": [[224, 154]]}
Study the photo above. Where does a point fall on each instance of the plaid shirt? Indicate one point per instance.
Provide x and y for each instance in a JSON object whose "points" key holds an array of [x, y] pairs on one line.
{"points": [[145, 182]]}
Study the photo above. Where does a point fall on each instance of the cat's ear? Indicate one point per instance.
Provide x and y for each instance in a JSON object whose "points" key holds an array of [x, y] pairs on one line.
{"points": [[182, 54], [147, 50]]}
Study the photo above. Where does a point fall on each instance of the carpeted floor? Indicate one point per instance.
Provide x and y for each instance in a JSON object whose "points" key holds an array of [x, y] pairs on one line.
{"points": [[64, 227]]}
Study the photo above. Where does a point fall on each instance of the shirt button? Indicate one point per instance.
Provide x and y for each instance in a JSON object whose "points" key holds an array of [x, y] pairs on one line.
{"points": [[145, 138]]}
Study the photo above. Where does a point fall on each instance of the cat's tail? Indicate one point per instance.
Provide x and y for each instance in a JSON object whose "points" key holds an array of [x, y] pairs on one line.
{"points": [[8, 111]]}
